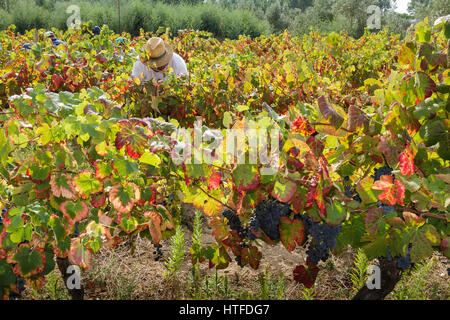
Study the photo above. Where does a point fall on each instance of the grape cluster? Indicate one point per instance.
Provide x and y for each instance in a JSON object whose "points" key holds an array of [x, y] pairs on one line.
{"points": [[169, 200], [349, 190], [378, 172], [158, 251], [76, 232], [386, 209], [2, 215], [383, 171], [267, 217], [403, 263], [323, 238], [20, 283], [234, 222]]}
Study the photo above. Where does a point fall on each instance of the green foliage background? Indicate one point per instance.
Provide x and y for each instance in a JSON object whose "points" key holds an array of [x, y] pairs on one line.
{"points": [[223, 18]]}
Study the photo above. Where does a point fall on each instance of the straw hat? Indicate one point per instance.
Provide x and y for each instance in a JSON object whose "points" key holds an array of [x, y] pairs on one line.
{"points": [[156, 53]]}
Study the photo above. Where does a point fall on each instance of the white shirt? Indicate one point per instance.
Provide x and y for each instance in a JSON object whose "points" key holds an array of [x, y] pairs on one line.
{"points": [[176, 63], [442, 19]]}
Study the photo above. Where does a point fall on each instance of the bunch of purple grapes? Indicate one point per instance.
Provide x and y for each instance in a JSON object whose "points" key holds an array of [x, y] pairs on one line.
{"points": [[2, 215], [403, 263], [234, 222], [267, 218], [383, 171], [323, 238], [378, 172], [350, 191]]}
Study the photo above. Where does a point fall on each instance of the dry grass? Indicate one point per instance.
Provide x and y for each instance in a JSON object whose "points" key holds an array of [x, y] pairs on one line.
{"points": [[118, 274]]}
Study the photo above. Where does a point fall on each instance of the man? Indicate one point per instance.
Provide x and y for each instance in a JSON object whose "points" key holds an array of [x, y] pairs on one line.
{"points": [[52, 36], [158, 56]]}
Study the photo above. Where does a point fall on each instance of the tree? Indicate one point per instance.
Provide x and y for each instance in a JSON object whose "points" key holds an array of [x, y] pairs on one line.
{"points": [[276, 18]]}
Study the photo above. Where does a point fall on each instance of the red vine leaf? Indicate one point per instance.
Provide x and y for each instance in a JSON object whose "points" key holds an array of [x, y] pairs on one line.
{"points": [[445, 246], [85, 184], [80, 255], [407, 162], [330, 113], [62, 186], [392, 192], [98, 200], [133, 136], [155, 227], [74, 211], [374, 220], [246, 177], [251, 255], [292, 233], [123, 197], [306, 275], [284, 190], [356, 118], [214, 180]]}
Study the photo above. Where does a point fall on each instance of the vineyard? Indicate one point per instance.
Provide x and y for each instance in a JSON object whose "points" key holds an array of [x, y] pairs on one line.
{"points": [[357, 155]]}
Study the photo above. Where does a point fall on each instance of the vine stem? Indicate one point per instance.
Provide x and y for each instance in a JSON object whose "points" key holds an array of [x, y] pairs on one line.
{"points": [[214, 198], [423, 214], [205, 192]]}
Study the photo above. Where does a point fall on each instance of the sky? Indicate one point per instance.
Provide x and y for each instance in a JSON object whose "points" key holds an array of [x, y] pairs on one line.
{"points": [[402, 6]]}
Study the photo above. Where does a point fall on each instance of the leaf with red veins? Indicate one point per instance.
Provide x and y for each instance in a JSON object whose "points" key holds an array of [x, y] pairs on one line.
{"points": [[133, 136], [233, 241], [330, 113], [123, 197], [103, 170], [214, 180], [297, 202], [155, 227], [374, 220], [219, 228], [284, 190], [61, 186], [393, 192], [74, 211], [28, 261], [80, 255], [356, 118], [98, 200], [316, 145], [292, 233], [400, 192], [251, 255], [406, 162], [246, 177], [148, 195], [306, 275], [295, 163], [320, 200], [85, 184], [311, 197]]}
